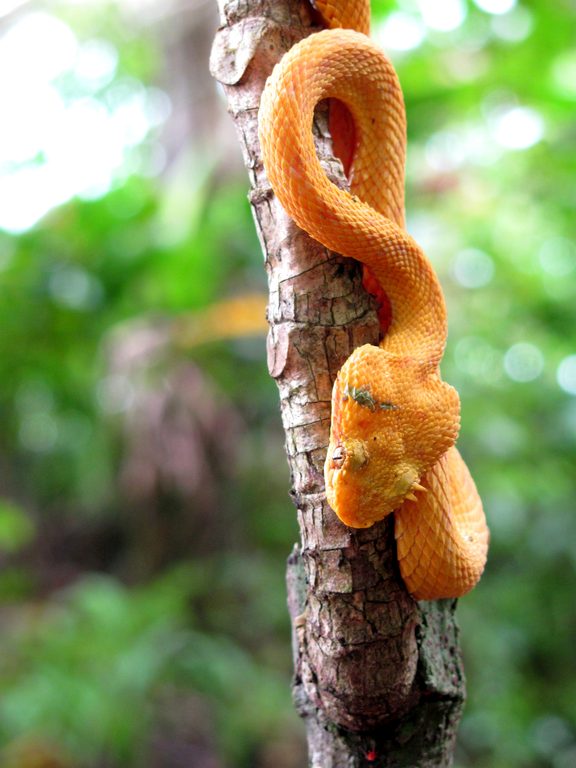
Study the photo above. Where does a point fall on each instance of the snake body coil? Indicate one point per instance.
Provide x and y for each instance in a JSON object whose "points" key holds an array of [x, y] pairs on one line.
{"points": [[394, 421]]}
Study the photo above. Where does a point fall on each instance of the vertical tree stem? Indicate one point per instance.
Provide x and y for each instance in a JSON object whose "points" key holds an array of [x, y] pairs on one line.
{"points": [[378, 678]]}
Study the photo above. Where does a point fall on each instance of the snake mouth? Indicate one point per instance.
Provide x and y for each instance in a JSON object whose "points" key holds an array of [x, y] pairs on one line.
{"points": [[359, 498]]}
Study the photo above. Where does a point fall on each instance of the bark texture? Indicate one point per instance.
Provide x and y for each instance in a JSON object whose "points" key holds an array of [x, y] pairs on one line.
{"points": [[378, 677]]}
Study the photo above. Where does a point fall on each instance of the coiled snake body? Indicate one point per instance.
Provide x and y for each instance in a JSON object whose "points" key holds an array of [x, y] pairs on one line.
{"points": [[394, 421]]}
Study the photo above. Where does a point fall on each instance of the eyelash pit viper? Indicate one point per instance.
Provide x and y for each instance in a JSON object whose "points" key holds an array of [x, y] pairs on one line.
{"points": [[394, 421]]}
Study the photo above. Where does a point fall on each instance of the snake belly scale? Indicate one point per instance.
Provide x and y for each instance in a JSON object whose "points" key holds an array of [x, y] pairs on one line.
{"points": [[394, 421]]}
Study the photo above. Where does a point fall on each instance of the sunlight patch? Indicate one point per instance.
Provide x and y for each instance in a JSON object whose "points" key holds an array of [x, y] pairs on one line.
{"points": [[444, 16], [56, 144], [400, 32], [517, 128], [495, 6]]}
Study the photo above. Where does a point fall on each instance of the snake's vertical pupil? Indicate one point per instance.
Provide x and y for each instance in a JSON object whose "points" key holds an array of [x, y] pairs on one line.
{"points": [[338, 457]]}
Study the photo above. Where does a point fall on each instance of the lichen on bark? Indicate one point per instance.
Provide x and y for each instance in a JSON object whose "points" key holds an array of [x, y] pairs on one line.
{"points": [[374, 671]]}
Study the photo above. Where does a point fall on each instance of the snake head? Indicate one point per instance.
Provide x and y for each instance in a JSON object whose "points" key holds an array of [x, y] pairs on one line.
{"points": [[392, 420]]}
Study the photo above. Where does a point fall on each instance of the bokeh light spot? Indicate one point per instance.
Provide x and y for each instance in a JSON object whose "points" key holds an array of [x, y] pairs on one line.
{"points": [[38, 432], [517, 127], [96, 63], [75, 288], [566, 374], [514, 26], [523, 362], [557, 256], [563, 74], [473, 268], [444, 16], [550, 734], [495, 6], [400, 32]]}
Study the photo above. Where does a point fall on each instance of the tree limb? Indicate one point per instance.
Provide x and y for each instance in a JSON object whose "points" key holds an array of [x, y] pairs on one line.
{"points": [[376, 673]]}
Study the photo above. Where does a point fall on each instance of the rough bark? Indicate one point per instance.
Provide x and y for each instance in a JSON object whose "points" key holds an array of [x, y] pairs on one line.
{"points": [[378, 677]]}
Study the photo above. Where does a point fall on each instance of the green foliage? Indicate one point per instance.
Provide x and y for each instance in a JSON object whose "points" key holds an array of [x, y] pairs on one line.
{"points": [[85, 670], [82, 667], [16, 530]]}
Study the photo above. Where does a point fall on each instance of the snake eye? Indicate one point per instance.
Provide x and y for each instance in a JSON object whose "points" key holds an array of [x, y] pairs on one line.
{"points": [[338, 457]]}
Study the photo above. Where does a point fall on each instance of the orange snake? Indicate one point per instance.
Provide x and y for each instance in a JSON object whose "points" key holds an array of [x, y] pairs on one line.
{"points": [[394, 421]]}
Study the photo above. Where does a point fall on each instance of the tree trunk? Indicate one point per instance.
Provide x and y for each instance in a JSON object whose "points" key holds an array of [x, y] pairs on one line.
{"points": [[378, 677]]}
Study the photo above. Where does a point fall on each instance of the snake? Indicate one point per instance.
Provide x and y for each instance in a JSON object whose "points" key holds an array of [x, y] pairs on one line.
{"points": [[394, 421]]}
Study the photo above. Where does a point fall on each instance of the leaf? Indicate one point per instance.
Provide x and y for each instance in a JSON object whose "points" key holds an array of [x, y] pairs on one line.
{"points": [[16, 528]]}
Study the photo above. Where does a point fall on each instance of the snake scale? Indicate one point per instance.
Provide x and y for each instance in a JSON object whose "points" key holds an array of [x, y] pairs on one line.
{"points": [[394, 421]]}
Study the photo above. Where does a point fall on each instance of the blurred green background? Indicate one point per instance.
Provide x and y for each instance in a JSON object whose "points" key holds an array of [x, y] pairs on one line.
{"points": [[144, 510]]}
